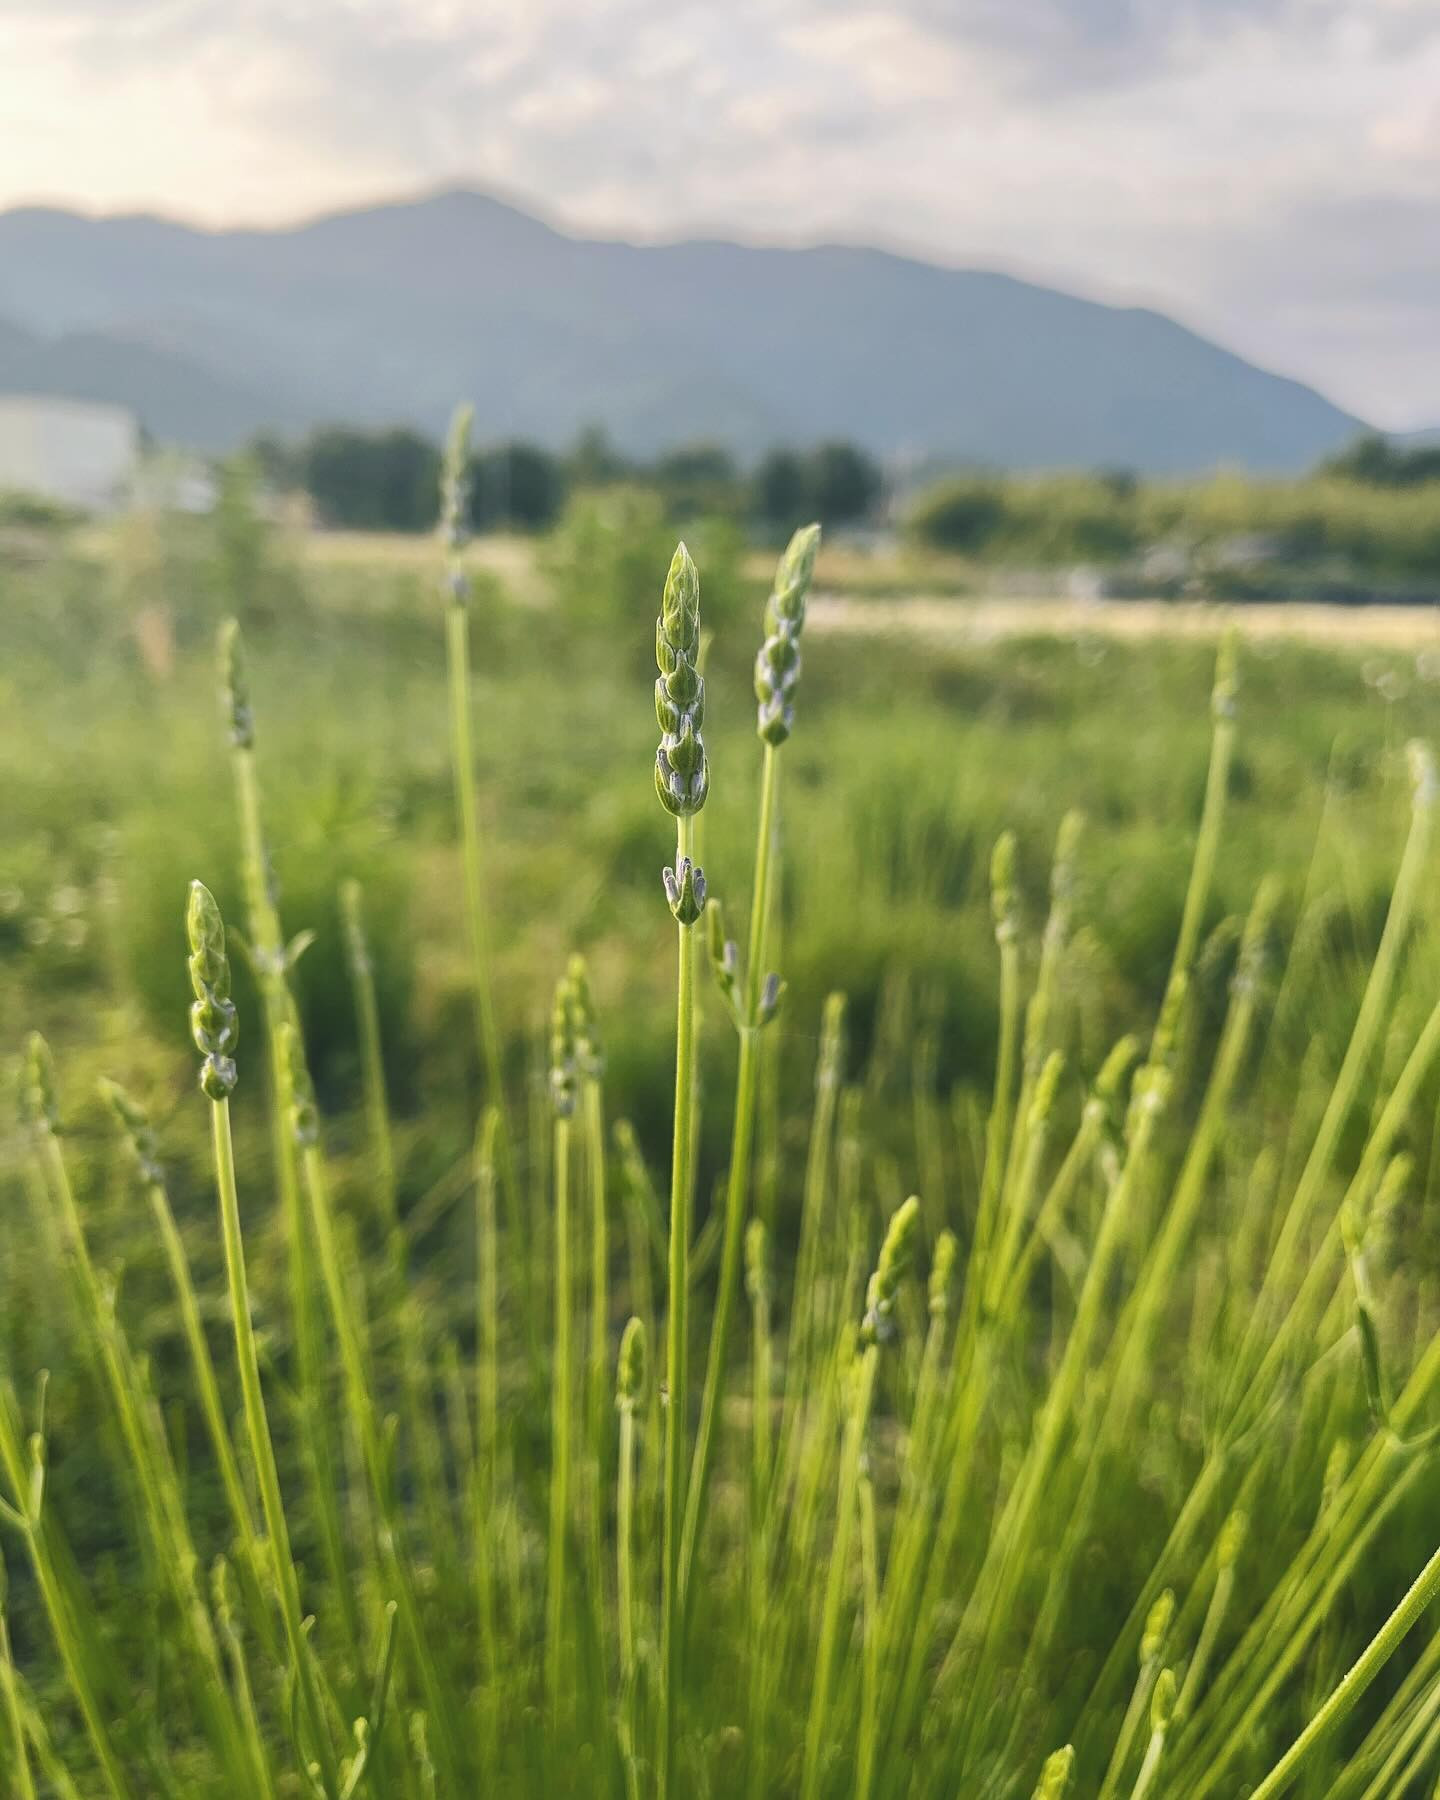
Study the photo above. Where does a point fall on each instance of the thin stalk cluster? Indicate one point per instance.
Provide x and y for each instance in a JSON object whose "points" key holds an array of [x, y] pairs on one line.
{"points": [[1096, 1467]]}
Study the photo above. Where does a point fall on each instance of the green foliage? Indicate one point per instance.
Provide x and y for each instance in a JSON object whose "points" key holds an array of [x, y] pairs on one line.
{"points": [[1228, 521], [845, 484], [385, 481], [34, 512], [695, 480], [371, 481], [782, 489], [601, 559], [518, 485], [1058, 519], [967, 515], [981, 1507], [1378, 462], [836, 483]]}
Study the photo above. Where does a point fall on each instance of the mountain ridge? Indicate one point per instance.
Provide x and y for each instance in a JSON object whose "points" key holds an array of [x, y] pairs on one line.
{"points": [[384, 314]]}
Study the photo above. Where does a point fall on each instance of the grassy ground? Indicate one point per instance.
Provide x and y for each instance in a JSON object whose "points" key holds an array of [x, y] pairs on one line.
{"points": [[916, 749], [926, 619]]}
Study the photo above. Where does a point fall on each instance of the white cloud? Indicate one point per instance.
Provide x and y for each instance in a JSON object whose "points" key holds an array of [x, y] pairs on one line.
{"points": [[1266, 169]]}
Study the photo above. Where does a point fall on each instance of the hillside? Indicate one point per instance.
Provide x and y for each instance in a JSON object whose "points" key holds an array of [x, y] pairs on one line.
{"points": [[387, 315]]}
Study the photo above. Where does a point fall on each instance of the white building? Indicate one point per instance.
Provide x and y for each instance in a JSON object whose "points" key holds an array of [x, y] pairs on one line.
{"points": [[73, 451]]}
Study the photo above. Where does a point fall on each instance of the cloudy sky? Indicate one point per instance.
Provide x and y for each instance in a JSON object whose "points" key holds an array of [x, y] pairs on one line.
{"points": [[1267, 170]]}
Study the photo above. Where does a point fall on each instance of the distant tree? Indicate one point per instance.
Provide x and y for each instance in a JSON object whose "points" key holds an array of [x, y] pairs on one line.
{"points": [[276, 461], [593, 461], [35, 512], [372, 481], [1375, 461], [845, 483], [1120, 484], [517, 485], [966, 514], [695, 480], [781, 485]]}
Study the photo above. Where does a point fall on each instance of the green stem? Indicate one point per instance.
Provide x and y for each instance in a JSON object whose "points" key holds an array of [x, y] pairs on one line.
{"points": [[1133, 1341], [268, 957], [372, 1060], [593, 1102], [1368, 1021], [9, 1695], [1129, 1726], [262, 1449], [487, 1415], [1009, 1550], [1205, 1644], [559, 1428], [69, 1640], [268, 953], [1207, 842], [1150, 1767], [677, 1341], [1369, 1664], [487, 1031], [759, 1589], [359, 1391], [624, 1595], [211, 1404], [997, 1137], [870, 1643], [839, 1557], [765, 859], [738, 1185], [805, 1383], [624, 1558], [161, 1507], [1076, 1161]]}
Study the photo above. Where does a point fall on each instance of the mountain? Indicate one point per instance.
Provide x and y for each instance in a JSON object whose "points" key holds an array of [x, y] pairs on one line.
{"points": [[178, 401], [390, 314]]}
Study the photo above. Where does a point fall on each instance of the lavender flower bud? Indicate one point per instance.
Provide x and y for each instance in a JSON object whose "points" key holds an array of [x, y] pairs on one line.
{"points": [[777, 667], [630, 1373], [38, 1101], [1055, 1776], [563, 1072], [455, 503], [896, 1254], [304, 1114], [214, 1024], [685, 890], [135, 1127], [757, 1262], [235, 687], [682, 772], [589, 1052]]}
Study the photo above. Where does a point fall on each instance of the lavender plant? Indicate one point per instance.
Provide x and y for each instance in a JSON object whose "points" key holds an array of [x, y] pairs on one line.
{"points": [[889, 1559]]}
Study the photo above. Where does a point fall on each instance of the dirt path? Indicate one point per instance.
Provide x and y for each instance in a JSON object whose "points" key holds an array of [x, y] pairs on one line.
{"points": [[984, 620]]}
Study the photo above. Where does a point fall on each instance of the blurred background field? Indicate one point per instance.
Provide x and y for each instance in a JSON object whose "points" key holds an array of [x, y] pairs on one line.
{"points": [[959, 717], [925, 739], [922, 742]]}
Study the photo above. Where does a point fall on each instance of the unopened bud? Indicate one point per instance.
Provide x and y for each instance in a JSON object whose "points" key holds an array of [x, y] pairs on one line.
{"points": [[1055, 1776], [685, 890], [214, 1024], [630, 1373], [896, 1254], [1157, 1626]]}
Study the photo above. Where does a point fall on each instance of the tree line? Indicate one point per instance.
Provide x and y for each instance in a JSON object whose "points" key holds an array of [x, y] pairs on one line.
{"points": [[388, 480], [1335, 522]]}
